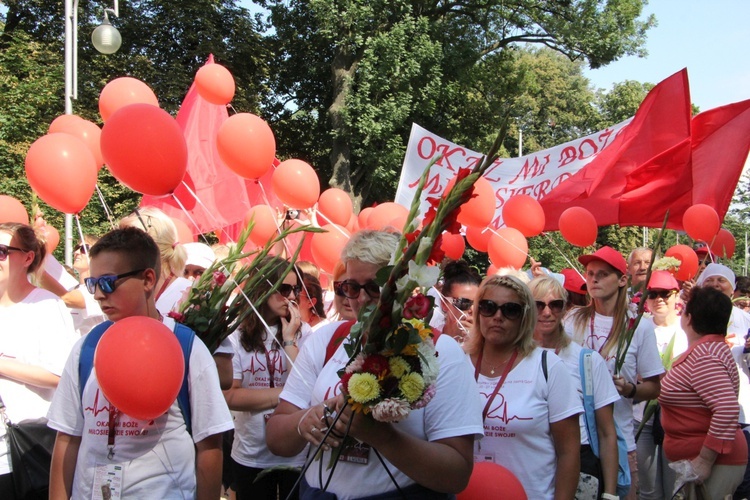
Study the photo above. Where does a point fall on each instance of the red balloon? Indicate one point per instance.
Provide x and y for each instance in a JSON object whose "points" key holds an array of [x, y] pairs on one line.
{"points": [[701, 222], [335, 206], [687, 257], [139, 365], [478, 237], [353, 225], [578, 226], [453, 245], [145, 149], [490, 481], [122, 92], [52, 237], [363, 217], [491, 270], [480, 209], [215, 84], [62, 171], [265, 228], [296, 184], [508, 248], [246, 144], [524, 213], [87, 131], [12, 210], [184, 233], [723, 244], [385, 214], [326, 247]]}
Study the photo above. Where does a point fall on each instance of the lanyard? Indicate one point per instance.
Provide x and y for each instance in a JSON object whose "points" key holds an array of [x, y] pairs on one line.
{"points": [[164, 285], [271, 370], [114, 414], [500, 382]]}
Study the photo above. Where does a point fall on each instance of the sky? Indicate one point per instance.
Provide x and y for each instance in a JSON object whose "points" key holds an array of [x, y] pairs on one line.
{"points": [[709, 37]]}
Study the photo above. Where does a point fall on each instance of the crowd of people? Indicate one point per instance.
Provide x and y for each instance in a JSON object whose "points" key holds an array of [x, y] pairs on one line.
{"points": [[552, 376]]}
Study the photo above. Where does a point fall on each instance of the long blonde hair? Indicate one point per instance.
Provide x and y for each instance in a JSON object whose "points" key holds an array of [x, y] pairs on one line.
{"points": [[162, 229], [524, 341], [542, 286]]}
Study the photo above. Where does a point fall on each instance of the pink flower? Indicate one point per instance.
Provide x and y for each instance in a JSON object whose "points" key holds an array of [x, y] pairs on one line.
{"points": [[178, 317], [356, 364], [390, 410], [219, 278], [417, 306], [429, 393]]}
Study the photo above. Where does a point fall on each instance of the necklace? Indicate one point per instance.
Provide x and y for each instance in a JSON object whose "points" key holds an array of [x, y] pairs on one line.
{"points": [[499, 365]]}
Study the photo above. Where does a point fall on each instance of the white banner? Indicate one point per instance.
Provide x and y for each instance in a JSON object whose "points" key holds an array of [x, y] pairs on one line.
{"points": [[535, 175]]}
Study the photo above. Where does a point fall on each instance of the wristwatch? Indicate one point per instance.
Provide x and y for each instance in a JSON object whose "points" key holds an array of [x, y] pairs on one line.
{"points": [[289, 343], [609, 496]]}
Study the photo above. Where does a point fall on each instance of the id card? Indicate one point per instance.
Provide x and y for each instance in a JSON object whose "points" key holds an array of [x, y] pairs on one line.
{"points": [[484, 457], [107, 482], [357, 453]]}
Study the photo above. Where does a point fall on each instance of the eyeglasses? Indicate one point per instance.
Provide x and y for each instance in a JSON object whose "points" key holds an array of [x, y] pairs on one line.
{"points": [[351, 289], [556, 306], [460, 303], [285, 290], [663, 294], [82, 248], [510, 310], [107, 282], [5, 250], [337, 288]]}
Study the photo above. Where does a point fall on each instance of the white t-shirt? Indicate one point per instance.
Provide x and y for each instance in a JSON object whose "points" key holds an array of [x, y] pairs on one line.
{"points": [[91, 315], [454, 411], [170, 298], [37, 331], [605, 391], [157, 456], [739, 323], [251, 369], [517, 428], [642, 358], [59, 273]]}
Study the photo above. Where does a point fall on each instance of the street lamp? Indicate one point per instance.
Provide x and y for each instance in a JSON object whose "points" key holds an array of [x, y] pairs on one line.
{"points": [[105, 37]]}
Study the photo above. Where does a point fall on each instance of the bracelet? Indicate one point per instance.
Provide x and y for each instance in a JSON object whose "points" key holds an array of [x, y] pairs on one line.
{"points": [[288, 343], [632, 393], [300, 421], [609, 496]]}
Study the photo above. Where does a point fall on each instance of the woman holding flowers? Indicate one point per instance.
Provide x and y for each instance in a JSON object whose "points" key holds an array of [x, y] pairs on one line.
{"points": [[425, 452], [530, 404], [265, 346], [604, 326]]}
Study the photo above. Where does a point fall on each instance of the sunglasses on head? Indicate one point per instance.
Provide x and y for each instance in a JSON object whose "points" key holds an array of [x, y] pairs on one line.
{"points": [[285, 290], [461, 304], [351, 289], [108, 282], [663, 294], [82, 248], [556, 306], [510, 310], [6, 249]]}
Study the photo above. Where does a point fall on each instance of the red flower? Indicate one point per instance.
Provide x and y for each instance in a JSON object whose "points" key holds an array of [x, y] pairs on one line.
{"points": [[219, 278], [345, 381], [178, 317], [463, 173], [417, 306], [437, 254], [376, 364], [432, 211]]}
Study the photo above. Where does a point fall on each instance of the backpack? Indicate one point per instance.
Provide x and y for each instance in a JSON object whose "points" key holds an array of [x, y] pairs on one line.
{"points": [[587, 385], [184, 335]]}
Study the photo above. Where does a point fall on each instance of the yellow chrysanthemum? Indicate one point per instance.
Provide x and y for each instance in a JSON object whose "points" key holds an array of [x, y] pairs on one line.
{"points": [[411, 386], [364, 387], [398, 366], [418, 324]]}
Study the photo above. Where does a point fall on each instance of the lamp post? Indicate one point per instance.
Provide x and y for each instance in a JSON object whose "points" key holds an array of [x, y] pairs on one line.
{"points": [[71, 81]]}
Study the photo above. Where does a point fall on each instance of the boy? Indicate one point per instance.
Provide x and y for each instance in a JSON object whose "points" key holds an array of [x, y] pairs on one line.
{"points": [[153, 459]]}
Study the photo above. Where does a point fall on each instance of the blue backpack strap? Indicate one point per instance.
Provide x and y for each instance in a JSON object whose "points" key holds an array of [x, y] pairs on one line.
{"points": [[88, 349], [585, 367], [185, 336]]}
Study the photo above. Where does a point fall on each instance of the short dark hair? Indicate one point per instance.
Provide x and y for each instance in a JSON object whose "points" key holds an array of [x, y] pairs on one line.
{"points": [[314, 291], [459, 272], [742, 285], [709, 311], [135, 245]]}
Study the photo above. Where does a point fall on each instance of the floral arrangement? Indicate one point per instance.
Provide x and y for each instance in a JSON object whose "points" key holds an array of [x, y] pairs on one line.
{"points": [[670, 264]]}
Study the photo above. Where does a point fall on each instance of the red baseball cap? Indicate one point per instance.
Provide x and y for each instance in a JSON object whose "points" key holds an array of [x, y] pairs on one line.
{"points": [[662, 280], [574, 282], [608, 255]]}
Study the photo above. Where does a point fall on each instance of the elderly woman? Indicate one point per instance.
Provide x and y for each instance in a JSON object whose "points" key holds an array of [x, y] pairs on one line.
{"points": [[550, 298], [428, 453], [460, 285], [530, 404], [699, 398]]}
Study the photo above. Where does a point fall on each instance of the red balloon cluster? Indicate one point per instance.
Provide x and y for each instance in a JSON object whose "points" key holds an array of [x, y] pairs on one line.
{"points": [[122, 92], [140, 366], [723, 244], [87, 131], [480, 209], [578, 226], [296, 184], [701, 222], [453, 245], [478, 238], [264, 228], [687, 257], [246, 144], [12, 210], [326, 247], [388, 214], [490, 481], [335, 206]]}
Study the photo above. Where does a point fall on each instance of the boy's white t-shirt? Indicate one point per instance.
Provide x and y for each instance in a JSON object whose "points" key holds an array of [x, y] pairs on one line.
{"points": [[251, 369], [517, 427], [157, 456], [605, 392], [642, 359], [37, 331], [454, 411]]}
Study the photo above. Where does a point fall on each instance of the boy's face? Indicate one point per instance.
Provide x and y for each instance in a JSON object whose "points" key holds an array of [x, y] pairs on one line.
{"points": [[131, 294]]}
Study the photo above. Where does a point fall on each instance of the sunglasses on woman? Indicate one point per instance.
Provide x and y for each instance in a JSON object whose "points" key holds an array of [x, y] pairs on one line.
{"points": [[556, 306], [108, 282], [6, 249], [351, 289], [663, 294], [83, 248], [460, 303], [510, 310], [285, 290]]}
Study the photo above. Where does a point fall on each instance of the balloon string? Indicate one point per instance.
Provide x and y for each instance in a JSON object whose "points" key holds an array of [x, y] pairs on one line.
{"points": [[107, 211], [573, 266], [205, 209], [276, 221], [83, 242], [329, 221], [449, 310], [506, 240]]}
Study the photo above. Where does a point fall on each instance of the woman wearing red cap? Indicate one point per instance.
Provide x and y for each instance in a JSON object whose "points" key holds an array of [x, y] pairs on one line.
{"points": [[601, 325]]}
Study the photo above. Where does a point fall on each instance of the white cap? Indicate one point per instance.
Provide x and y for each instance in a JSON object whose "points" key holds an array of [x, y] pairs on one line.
{"points": [[714, 269], [199, 254]]}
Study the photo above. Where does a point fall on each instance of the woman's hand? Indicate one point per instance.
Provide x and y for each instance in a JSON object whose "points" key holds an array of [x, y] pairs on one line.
{"points": [[702, 468], [291, 326], [313, 425]]}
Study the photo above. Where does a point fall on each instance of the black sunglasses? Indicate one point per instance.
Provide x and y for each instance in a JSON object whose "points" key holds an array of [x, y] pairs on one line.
{"points": [[462, 304], [107, 283], [83, 248], [556, 306], [351, 289], [510, 310], [664, 294], [285, 290], [6, 249], [337, 288]]}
